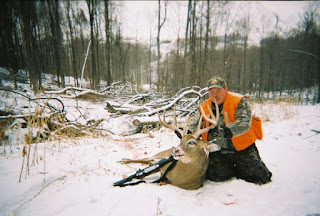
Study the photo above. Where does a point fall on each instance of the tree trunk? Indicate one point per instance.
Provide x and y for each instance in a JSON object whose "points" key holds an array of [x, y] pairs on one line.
{"points": [[185, 76], [160, 24], [73, 57], [261, 70], [92, 7], [206, 40], [57, 38], [108, 41], [29, 17]]}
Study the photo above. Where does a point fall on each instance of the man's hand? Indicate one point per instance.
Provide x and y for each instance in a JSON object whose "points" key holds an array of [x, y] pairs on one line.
{"points": [[222, 132]]}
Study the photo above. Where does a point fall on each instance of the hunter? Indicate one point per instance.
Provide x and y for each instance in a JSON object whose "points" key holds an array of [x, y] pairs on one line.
{"points": [[236, 133]]}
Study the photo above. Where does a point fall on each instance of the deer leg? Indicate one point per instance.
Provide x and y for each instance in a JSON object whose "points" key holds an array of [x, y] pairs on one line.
{"points": [[154, 159], [143, 160]]}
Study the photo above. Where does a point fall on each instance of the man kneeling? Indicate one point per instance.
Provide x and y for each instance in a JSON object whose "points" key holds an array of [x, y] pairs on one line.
{"points": [[236, 133]]}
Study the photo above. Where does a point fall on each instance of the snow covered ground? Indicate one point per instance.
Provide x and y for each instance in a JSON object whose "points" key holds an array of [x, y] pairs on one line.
{"points": [[78, 174], [75, 176]]}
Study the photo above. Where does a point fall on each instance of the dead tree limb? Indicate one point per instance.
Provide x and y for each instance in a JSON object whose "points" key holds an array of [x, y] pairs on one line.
{"points": [[153, 120], [62, 91], [114, 107], [175, 100]]}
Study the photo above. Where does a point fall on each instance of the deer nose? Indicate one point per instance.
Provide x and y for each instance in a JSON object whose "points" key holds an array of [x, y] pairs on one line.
{"points": [[174, 152]]}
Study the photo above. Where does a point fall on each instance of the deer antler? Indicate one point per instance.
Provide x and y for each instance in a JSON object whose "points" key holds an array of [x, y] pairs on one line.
{"points": [[213, 120], [174, 125]]}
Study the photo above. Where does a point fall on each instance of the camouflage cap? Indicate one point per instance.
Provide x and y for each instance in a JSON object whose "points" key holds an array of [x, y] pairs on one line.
{"points": [[217, 82]]}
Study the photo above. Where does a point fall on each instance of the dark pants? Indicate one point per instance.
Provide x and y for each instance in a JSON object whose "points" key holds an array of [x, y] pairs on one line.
{"points": [[245, 164]]}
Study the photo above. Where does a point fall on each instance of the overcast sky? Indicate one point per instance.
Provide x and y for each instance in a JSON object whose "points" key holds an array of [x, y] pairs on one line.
{"points": [[140, 17]]}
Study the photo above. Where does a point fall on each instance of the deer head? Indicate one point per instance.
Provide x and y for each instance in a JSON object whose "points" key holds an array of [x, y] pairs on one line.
{"points": [[190, 145]]}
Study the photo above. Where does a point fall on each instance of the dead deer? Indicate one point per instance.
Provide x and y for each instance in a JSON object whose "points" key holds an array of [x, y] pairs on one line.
{"points": [[192, 153]]}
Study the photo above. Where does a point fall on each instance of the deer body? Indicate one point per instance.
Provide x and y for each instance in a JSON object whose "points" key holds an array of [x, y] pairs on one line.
{"points": [[191, 155]]}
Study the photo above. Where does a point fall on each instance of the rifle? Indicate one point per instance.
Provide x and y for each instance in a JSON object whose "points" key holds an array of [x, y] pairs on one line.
{"points": [[140, 173]]}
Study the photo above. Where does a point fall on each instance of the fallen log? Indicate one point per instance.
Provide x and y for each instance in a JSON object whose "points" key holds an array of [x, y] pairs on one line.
{"points": [[174, 100], [114, 107], [142, 121]]}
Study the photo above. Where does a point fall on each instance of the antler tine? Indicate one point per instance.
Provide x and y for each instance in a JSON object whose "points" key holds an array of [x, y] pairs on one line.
{"points": [[172, 126], [213, 120], [174, 116], [217, 111], [185, 130]]}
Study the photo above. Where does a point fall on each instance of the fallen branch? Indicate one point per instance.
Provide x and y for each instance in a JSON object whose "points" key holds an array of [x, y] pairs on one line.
{"points": [[37, 98], [62, 91], [175, 100], [131, 132], [316, 133], [111, 86], [113, 107], [83, 93], [142, 121]]}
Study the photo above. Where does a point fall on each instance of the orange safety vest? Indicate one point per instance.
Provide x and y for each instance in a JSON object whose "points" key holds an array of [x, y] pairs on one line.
{"points": [[230, 104]]}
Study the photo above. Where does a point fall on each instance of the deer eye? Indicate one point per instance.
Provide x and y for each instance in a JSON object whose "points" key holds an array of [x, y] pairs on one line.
{"points": [[191, 142]]}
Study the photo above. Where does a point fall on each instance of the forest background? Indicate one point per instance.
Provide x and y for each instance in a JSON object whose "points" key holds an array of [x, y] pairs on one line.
{"points": [[85, 38]]}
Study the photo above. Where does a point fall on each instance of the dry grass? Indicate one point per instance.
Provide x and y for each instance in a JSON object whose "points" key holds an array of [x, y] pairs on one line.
{"points": [[274, 111]]}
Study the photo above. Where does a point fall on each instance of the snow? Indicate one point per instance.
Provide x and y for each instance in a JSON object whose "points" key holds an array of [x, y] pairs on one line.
{"points": [[78, 174]]}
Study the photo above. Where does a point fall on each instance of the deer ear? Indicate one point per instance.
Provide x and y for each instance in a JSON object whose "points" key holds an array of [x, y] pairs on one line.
{"points": [[213, 148]]}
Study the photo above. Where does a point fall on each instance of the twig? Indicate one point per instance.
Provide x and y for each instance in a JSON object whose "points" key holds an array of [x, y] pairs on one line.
{"points": [[84, 63], [44, 98], [60, 178], [4, 147], [158, 208], [23, 155], [307, 53], [77, 103], [316, 133], [62, 91], [44, 158], [28, 159]]}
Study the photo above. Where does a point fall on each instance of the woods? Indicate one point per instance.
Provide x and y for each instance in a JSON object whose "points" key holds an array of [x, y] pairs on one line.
{"points": [[53, 36]]}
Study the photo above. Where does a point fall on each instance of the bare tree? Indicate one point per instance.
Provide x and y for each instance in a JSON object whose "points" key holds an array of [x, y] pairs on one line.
{"points": [[206, 40], [310, 35], [160, 24], [186, 78], [245, 28], [108, 29], [92, 7], [192, 76], [72, 38], [177, 68], [9, 37], [28, 12], [57, 38]]}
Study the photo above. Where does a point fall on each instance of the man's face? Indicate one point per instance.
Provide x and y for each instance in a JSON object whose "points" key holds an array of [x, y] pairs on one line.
{"points": [[219, 94]]}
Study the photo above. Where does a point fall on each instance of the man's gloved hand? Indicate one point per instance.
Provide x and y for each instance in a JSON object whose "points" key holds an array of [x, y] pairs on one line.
{"points": [[222, 132], [227, 133]]}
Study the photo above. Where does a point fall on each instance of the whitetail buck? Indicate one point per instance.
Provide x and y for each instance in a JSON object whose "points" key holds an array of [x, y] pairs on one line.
{"points": [[192, 153]]}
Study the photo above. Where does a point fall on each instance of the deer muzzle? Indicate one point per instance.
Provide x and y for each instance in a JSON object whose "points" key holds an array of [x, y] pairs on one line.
{"points": [[178, 153]]}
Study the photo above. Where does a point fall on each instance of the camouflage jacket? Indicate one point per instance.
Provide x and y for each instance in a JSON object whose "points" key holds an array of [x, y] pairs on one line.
{"points": [[239, 127]]}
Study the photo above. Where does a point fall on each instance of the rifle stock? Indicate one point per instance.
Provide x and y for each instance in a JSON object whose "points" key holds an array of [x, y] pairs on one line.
{"points": [[141, 173]]}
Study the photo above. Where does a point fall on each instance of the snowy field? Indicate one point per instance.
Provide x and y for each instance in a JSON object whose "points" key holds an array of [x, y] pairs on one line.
{"points": [[75, 176], [79, 174]]}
